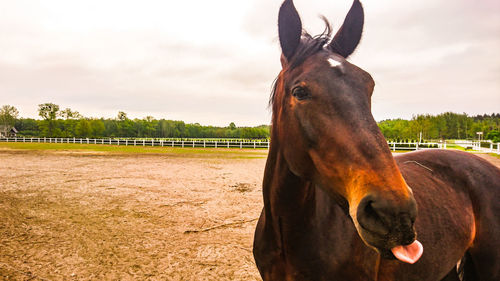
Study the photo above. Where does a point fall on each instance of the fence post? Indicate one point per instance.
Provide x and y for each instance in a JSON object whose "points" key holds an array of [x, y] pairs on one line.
{"points": [[445, 144], [152, 142], [227, 144], [143, 142], [204, 144], [491, 147], [193, 142], [135, 142], [394, 146], [173, 143], [241, 144], [182, 143], [215, 144], [253, 144]]}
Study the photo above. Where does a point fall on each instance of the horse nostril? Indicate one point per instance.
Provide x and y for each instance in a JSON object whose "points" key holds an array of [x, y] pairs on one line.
{"points": [[382, 216], [370, 218]]}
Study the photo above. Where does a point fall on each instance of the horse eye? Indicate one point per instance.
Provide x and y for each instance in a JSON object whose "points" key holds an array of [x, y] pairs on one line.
{"points": [[300, 93]]}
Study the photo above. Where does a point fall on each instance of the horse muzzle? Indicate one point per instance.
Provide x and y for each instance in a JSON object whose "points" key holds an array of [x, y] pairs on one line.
{"points": [[388, 226]]}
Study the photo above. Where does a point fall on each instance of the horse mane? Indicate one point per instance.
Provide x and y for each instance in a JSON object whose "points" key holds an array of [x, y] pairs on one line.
{"points": [[309, 45]]}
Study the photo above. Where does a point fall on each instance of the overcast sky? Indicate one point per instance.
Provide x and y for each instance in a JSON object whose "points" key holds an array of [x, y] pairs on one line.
{"points": [[213, 62]]}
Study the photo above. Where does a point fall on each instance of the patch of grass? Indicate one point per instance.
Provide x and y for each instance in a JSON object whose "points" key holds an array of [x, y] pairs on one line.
{"points": [[454, 146], [401, 151], [115, 149], [494, 155]]}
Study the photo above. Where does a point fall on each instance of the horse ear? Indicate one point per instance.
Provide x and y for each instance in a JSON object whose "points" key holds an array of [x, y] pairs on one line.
{"points": [[289, 28], [349, 34]]}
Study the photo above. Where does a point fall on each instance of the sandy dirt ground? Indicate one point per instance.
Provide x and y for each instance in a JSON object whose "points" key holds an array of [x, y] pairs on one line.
{"points": [[74, 216], [85, 216]]}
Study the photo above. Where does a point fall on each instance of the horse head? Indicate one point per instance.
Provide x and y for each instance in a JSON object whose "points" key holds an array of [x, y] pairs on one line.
{"points": [[323, 124]]}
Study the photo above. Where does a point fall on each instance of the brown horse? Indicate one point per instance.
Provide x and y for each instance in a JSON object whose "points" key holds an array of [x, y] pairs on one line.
{"points": [[337, 205]]}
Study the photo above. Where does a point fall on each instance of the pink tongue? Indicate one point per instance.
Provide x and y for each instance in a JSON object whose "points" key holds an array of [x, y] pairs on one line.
{"points": [[409, 253]]}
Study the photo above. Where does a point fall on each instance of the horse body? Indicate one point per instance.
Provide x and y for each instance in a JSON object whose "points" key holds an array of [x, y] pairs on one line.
{"points": [[458, 195], [338, 205], [316, 240]]}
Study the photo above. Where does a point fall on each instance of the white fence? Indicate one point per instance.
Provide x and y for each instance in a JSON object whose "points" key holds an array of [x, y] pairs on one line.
{"points": [[476, 145], [405, 146], [206, 143], [149, 142], [210, 143]]}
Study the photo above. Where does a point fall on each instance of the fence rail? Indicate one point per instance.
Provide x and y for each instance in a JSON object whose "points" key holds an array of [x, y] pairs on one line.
{"points": [[148, 142], [395, 146], [483, 146], [210, 143]]}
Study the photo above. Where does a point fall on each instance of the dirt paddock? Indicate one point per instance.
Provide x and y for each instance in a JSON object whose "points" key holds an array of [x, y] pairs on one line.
{"points": [[81, 216]]}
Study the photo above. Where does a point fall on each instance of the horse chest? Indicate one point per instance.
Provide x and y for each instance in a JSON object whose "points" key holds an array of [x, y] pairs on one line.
{"points": [[314, 252]]}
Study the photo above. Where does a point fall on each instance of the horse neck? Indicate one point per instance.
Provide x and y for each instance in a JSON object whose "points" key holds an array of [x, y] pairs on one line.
{"points": [[285, 194]]}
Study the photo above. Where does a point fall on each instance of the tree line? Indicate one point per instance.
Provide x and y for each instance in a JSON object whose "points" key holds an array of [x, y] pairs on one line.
{"points": [[64, 123], [447, 125]]}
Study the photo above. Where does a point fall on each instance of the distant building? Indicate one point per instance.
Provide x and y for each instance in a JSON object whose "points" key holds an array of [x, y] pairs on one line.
{"points": [[7, 131]]}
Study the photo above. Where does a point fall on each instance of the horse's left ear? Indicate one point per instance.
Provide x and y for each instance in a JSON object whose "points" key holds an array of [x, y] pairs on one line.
{"points": [[289, 28], [349, 34]]}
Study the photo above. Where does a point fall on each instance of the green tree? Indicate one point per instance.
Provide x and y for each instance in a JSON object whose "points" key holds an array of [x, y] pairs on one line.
{"points": [[111, 128], [148, 126], [8, 116], [127, 128], [69, 114], [28, 127], [97, 128], [83, 128], [122, 116], [49, 112]]}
